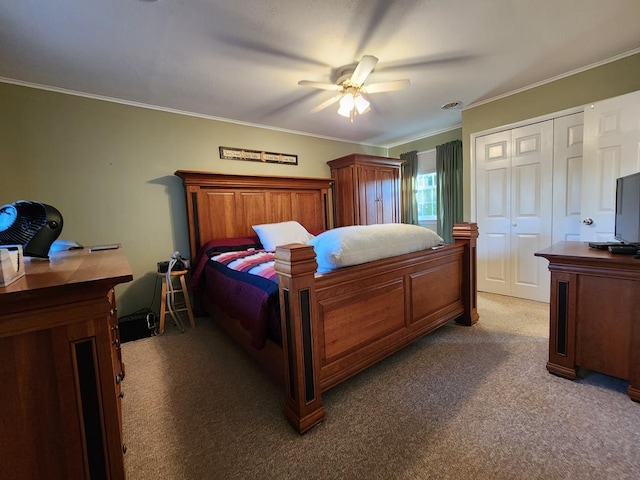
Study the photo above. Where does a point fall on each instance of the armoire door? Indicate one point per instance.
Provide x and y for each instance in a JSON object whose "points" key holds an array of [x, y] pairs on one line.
{"points": [[514, 171], [368, 193], [388, 195], [378, 187]]}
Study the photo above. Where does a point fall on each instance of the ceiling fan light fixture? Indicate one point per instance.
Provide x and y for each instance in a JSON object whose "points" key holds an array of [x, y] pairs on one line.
{"points": [[345, 112], [350, 85], [361, 104], [353, 103], [347, 101]]}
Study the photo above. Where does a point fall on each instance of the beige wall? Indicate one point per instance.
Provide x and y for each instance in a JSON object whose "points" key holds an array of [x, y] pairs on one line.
{"points": [[109, 169]]}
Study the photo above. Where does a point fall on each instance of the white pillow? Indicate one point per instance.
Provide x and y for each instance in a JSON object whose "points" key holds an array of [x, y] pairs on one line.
{"points": [[345, 246], [273, 234]]}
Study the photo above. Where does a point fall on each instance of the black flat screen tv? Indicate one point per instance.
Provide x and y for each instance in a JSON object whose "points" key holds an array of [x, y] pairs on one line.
{"points": [[627, 224]]}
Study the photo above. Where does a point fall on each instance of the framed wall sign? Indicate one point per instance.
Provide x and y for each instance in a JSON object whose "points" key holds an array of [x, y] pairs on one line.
{"points": [[231, 153]]}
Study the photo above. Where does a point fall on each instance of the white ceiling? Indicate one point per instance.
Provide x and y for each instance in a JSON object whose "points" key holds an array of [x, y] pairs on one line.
{"points": [[241, 59]]}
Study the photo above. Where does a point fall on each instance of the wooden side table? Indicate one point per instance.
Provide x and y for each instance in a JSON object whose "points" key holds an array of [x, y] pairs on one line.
{"points": [[182, 289], [594, 313]]}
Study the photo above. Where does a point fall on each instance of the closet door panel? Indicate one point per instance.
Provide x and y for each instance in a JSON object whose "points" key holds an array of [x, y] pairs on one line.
{"points": [[531, 209], [514, 189], [525, 266], [496, 271], [526, 238], [611, 150], [567, 177], [527, 191], [494, 212]]}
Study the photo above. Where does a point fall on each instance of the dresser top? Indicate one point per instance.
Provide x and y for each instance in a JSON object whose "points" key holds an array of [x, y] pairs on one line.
{"points": [[76, 273], [580, 252]]}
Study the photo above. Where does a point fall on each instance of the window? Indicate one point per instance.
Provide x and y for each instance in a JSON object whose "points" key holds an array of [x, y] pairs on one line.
{"points": [[426, 196], [427, 189]]}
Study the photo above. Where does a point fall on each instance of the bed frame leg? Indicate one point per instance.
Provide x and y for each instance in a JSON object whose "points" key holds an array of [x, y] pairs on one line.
{"points": [[296, 266], [467, 234]]}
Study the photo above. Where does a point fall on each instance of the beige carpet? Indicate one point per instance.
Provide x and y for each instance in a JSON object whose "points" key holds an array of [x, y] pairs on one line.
{"points": [[462, 403]]}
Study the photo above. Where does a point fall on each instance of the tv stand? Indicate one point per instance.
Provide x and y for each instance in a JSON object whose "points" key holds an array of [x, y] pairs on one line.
{"points": [[594, 319]]}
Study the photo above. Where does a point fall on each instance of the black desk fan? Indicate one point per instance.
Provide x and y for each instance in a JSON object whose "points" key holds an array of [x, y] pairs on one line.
{"points": [[33, 225]]}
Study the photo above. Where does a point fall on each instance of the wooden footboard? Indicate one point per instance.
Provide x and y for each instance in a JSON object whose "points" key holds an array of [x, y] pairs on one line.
{"points": [[338, 324]]}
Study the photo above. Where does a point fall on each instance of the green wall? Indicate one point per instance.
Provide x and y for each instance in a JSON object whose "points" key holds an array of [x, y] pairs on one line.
{"points": [[606, 81], [427, 143], [108, 168]]}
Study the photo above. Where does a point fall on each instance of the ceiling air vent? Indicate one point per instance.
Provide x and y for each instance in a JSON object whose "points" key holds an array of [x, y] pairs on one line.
{"points": [[451, 105]]}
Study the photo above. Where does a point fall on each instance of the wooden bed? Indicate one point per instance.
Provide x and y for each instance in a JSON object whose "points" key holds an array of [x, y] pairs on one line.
{"points": [[337, 324]]}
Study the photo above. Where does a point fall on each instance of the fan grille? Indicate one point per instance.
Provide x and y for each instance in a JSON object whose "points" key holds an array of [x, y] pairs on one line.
{"points": [[31, 218]]}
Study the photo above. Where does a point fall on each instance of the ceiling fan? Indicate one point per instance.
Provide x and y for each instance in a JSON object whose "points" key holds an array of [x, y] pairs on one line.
{"points": [[351, 88]]}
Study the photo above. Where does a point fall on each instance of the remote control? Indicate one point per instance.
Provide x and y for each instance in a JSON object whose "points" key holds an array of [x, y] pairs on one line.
{"points": [[97, 248], [623, 249], [604, 245]]}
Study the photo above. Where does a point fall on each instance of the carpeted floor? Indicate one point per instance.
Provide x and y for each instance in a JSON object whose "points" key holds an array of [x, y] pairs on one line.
{"points": [[461, 403]]}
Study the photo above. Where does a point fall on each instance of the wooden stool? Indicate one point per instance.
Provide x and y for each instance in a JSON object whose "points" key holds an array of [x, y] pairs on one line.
{"points": [[183, 290]]}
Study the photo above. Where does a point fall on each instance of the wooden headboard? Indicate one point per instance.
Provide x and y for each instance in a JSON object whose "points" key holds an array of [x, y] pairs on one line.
{"points": [[226, 206]]}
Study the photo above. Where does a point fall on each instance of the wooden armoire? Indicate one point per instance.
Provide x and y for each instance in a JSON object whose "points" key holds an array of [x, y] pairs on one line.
{"points": [[366, 189]]}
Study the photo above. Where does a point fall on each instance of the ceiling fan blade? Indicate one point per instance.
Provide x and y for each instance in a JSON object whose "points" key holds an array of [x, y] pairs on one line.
{"points": [[385, 86], [326, 104], [321, 85], [363, 69]]}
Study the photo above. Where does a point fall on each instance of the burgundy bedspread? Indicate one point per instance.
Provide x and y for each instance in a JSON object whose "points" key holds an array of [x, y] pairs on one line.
{"points": [[250, 298]]}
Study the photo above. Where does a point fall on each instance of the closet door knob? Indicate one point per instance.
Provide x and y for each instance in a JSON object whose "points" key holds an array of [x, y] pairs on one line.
{"points": [[588, 221]]}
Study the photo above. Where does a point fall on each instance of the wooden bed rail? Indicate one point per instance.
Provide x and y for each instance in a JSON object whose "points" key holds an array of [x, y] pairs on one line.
{"points": [[309, 350]]}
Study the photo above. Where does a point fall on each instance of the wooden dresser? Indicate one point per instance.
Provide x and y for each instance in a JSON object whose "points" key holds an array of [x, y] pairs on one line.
{"points": [[61, 368], [366, 189], [595, 313]]}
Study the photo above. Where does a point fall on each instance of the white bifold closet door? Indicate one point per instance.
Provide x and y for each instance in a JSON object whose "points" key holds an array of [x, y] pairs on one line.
{"points": [[514, 178], [611, 150], [568, 133]]}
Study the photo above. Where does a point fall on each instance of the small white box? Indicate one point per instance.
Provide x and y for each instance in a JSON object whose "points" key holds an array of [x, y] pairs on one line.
{"points": [[11, 264]]}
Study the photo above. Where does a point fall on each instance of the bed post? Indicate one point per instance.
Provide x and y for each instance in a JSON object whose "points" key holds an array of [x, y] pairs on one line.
{"points": [[296, 266], [467, 235]]}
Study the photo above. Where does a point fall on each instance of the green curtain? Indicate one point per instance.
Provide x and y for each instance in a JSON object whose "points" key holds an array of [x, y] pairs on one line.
{"points": [[449, 173], [409, 173]]}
